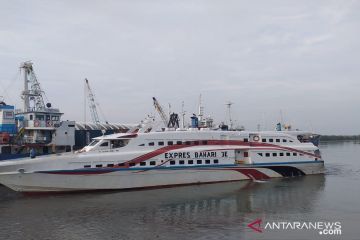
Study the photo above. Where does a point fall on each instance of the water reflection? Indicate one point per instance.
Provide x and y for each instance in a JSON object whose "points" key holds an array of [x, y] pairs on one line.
{"points": [[162, 213]]}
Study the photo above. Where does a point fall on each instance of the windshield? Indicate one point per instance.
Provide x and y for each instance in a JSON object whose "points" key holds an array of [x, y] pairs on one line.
{"points": [[93, 143], [119, 143]]}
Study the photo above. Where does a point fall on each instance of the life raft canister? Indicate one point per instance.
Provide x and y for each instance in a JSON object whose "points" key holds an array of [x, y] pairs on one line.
{"points": [[256, 138], [36, 123], [49, 123]]}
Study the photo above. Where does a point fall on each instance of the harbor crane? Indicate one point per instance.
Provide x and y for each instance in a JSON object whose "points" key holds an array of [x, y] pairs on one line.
{"points": [[32, 94], [92, 103], [161, 112]]}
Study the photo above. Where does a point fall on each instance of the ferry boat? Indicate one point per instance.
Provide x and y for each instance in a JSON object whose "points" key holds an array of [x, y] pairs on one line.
{"points": [[167, 158]]}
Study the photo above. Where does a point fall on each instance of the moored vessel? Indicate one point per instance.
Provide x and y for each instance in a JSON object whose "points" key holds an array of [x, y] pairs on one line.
{"points": [[166, 158]]}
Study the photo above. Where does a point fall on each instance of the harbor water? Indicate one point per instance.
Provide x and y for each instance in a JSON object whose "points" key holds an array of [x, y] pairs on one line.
{"points": [[212, 211]]}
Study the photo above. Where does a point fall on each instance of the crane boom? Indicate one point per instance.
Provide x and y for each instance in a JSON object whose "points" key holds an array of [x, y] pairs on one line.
{"points": [[161, 112], [33, 96], [92, 105]]}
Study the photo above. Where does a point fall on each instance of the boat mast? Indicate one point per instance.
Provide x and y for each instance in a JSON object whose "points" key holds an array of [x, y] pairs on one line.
{"points": [[201, 110], [228, 104], [183, 115]]}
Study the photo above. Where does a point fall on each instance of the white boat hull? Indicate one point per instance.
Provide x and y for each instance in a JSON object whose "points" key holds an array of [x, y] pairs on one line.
{"points": [[59, 181]]}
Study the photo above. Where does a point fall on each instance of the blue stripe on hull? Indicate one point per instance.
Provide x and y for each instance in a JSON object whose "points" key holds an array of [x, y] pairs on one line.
{"points": [[113, 169], [281, 163]]}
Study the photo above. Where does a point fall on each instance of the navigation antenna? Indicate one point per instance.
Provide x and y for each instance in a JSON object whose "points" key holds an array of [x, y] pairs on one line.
{"points": [[92, 104], [228, 104]]}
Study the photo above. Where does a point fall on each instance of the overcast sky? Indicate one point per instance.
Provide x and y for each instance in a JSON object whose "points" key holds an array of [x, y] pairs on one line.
{"points": [[298, 57]]}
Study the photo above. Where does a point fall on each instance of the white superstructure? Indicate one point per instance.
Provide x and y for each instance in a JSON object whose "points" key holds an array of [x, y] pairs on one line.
{"points": [[155, 159]]}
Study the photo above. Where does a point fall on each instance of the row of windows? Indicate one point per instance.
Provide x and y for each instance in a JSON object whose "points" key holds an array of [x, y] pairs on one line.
{"points": [[170, 143], [275, 140], [190, 162], [153, 163], [281, 154]]}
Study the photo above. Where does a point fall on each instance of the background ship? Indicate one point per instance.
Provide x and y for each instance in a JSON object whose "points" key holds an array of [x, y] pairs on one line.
{"points": [[38, 126]]}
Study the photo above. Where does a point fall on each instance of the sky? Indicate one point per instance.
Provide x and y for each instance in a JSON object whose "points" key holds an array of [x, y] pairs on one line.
{"points": [[276, 59]]}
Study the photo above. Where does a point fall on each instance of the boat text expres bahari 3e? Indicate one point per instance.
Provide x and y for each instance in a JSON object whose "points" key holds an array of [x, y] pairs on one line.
{"points": [[167, 158]]}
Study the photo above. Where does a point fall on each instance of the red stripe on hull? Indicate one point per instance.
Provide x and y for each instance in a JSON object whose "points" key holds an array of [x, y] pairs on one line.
{"points": [[209, 143], [253, 174]]}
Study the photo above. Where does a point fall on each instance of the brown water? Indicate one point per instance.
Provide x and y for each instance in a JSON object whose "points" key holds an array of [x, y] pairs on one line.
{"points": [[214, 211]]}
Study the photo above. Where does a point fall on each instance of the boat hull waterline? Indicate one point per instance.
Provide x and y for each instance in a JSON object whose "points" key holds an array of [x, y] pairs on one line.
{"points": [[112, 179]]}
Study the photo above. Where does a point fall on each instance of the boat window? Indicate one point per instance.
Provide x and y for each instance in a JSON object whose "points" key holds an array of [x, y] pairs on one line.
{"points": [[39, 117], [94, 142], [99, 165], [110, 165], [181, 162], [196, 142], [294, 154], [187, 143], [216, 161], [142, 163], [246, 154], [291, 141], [287, 154], [207, 161], [246, 140], [284, 140], [170, 143], [260, 154], [178, 142], [271, 140], [263, 140], [152, 163], [277, 140], [172, 162], [204, 142], [267, 154], [132, 164], [141, 145], [104, 144], [151, 144], [121, 164], [87, 166], [281, 154], [190, 161], [31, 117], [198, 161], [161, 143], [118, 143], [274, 154]]}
